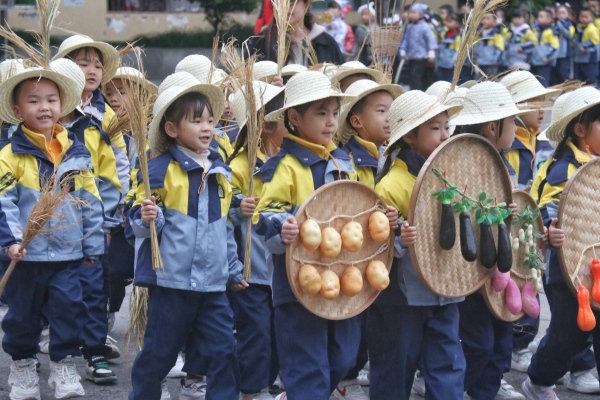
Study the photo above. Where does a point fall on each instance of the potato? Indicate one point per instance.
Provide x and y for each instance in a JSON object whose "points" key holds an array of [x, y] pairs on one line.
{"points": [[330, 285], [310, 279], [352, 281], [331, 243], [310, 234], [378, 275], [379, 226], [352, 236]]}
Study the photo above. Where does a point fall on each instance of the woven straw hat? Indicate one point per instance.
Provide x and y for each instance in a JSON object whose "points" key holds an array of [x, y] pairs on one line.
{"points": [[353, 68], [177, 79], [264, 70], [263, 93], [70, 95], [468, 84], [573, 105], [292, 69], [10, 67], [413, 109], [110, 55], [441, 90], [135, 76], [523, 85], [306, 87], [180, 85], [361, 89], [199, 66], [71, 70], [487, 102]]}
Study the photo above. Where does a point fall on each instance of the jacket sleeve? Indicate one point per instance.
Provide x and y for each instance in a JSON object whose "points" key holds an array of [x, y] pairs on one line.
{"points": [[93, 236], [139, 227], [109, 185], [235, 265], [432, 44], [239, 182], [11, 231]]}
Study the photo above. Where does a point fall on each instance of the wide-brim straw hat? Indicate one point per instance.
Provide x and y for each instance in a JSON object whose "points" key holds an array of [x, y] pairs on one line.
{"points": [[292, 69], [413, 109], [158, 140], [306, 87], [523, 85], [10, 67], [136, 76], [70, 95], [487, 102], [361, 89], [353, 68], [577, 102], [468, 84], [441, 90], [110, 55], [264, 70], [263, 93], [200, 66], [71, 70]]}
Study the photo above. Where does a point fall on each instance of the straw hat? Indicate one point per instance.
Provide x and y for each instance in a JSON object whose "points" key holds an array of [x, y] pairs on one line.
{"points": [[200, 66], [353, 68], [361, 89], [413, 109], [71, 70], [181, 84], [441, 90], [135, 76], [306, 87], [577, 102], [110, 55], [177, 79], [468, 84], [70, 95], [523, 85], [10, 67], [264, 70], [263, 93], [487, 102], [292, 69], [328, 69]]}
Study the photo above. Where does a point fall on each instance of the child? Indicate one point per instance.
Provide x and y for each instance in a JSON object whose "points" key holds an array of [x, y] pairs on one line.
{"points": [[418, 46], [445, 11], [585, 49], [353, 71], [45, 283], [578, 143], [362, 42], [566, 27], [450, 42], [520, 41], [490, 48], [408, 326], [187, 300], [545, 51], [336, 26]]}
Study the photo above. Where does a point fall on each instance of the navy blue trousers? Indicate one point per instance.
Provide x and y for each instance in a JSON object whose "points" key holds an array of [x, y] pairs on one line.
{"points": [[525, 330], [445, 74], [562, 71], [38, 291], [120, 258], [95, 323], [314, 353], [587, 72], [487, 344], [403, 338], [256, 346], [204, 322], [564, 342], [542, 72], [363, 355]]}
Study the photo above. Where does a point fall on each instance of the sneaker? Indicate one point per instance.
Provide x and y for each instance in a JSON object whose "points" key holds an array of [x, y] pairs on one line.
{"points": [[418, 387], [536, 392], [363, 377], [194, 391], [64, 379], [533, 346], [97, 370], [114, 350], [111, 321], [521, 360], [281, 396], [24, 380], [38, 366], [45, 341], [349, 391], [263, 395], [164, 390], [583, 382], [507, 391], [176, 371], [277, 386], [560, 380]]}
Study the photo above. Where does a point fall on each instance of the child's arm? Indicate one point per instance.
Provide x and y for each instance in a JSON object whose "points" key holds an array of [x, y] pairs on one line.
{"points": [[235, 266], [145, 211], [11, 231], [93, 237], [592, 39], [432, 45]]}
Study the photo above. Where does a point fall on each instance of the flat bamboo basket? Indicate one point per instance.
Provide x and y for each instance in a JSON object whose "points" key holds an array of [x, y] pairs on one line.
{"points": [[467, 160], [579, 218], [519, 273], [339, 198]]}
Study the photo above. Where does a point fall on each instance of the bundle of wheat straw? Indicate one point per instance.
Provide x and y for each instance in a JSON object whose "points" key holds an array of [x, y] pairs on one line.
{"points": [[281, 9], [121, 123], [138, 318], [568, 86], [213, 58]]}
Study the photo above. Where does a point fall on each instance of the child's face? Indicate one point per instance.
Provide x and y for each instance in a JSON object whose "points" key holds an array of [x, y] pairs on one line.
{"points": [[562, 13], [544, 19], [114, 92], [227, 114], [372, 123], [452, 24], [429, 135], [414, 15], [488, 21], [349, 80], [505, 140], [296, 13], [274, 133], [39, 105], [585, 17], [319, 122], [89, 62], [594, 6], [366, 17], [589, 137], [443, 14], [192, 133], [335, 12], [518, 21], [534, 119]]}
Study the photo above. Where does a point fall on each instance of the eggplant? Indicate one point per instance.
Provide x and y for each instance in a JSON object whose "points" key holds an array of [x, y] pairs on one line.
{"points": [[504, 257], [468, 247], [487, 247], [447, 227]]}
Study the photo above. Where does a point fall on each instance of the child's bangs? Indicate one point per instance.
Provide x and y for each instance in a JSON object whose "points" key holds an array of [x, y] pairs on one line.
{"points": [[19, 86], [190, 106], [89, 53]]}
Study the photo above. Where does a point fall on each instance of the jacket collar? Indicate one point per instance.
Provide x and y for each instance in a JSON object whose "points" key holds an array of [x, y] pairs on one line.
{"points": [[364, 153], [525, 139], [413, 160], [188, 164], [310, 153], [580, 156]]}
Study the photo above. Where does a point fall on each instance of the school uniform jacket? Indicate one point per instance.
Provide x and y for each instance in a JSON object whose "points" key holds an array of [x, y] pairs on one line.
{"points": [[289, 178], [587, 37], [525, 152], [418, 42], [24, 169], [490, 48], [547, 45], [519, 38], [365, 158], [195, 243], [565, 37], [449, 48]]}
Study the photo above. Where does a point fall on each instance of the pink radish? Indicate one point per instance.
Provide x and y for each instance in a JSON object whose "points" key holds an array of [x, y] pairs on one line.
{"points": [[531, 306], [512, 298], [500, 280]]}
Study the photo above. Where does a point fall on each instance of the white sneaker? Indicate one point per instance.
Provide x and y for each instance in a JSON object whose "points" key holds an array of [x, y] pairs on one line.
{"points": [[176, 371], [418, 387], [164, 390], [263, 395], [363, 377], [281, 396], [64, 379], [536, 392], [194, 391], [114, 350], [507, 391], [533, 346], [111, 321], [521, 360], [24, 380], [583, 382], [349, 391], [45, 341]]}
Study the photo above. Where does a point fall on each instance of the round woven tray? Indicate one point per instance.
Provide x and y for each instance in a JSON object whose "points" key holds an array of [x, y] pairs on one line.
{"points": [[466, 160], [518, 272], [579, 218], [339, 198]]}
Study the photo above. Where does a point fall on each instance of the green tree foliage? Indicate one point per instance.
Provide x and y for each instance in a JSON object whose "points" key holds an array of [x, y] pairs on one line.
{"points": [[217, 10]]}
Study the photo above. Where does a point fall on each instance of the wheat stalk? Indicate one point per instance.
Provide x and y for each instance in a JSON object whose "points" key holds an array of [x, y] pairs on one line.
{"points": [[121, 123], [213, 58], [48, 11], [138, 316], [281, 9]]}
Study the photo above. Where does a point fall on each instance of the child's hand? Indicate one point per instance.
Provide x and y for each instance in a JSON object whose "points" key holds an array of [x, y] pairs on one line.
{"points": [[556, 236], [431, 59], [248, 206], [513, 209], [581, 50], [277, 81], [236, 287], [392, 215], [545, 237], [15, 254], [289, 230], [408, 234], [519, 49], [544, 60], [149, 210]]}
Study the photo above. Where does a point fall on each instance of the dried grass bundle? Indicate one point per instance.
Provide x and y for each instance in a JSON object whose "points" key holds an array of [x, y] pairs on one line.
{"points": [[129, 48], [568, 86], [138, 316], [234, 64], [48, 11], [121, 123], [281, 9], [213, 58]]}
